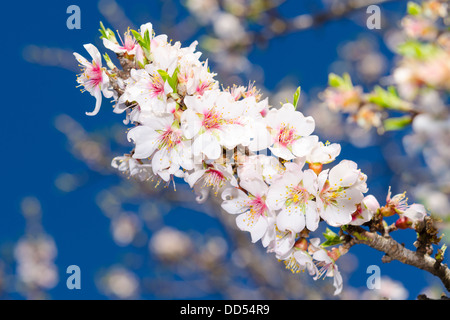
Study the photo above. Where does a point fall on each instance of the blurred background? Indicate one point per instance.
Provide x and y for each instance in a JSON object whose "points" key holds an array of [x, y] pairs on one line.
{"points": [[64, 205]]}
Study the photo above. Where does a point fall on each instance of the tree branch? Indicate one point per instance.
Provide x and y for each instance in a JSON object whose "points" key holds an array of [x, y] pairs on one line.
{"points": [[396, 251]]}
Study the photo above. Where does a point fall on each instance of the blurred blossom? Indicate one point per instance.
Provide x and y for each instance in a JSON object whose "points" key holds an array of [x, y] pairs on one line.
{"points": [[35, 262], [124, 228], [203, 10], [68, 182], [227, 26], [214, 249], [31, 207], [120, 283], [170, 244], [434, 200]]}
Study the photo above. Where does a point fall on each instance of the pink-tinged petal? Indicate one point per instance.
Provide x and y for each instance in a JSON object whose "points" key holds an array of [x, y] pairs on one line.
{"points": [[416, 212], [371, 203]]}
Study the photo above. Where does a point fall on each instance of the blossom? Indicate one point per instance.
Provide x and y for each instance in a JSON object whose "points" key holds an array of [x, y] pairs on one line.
{"points": [[328, 268], [149, 90], [290, 132], [293, 194], [211, 176], [93, 78], [347, 99], [251, 207], [212, 120], [129, 46], [162, 140], [323, 153], [365, 210], [339, 191]]}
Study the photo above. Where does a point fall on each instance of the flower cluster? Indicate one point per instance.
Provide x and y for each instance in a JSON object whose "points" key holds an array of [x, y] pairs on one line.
{"points": [[264, 163]]}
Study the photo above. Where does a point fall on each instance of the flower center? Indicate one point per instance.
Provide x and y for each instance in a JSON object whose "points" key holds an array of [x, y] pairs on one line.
{"points": [[156, 86], [212, 120], [169, 139], [286, 135]]}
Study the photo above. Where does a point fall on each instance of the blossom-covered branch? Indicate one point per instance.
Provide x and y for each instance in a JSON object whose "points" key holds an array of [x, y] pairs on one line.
{"points": [[263, 162]]}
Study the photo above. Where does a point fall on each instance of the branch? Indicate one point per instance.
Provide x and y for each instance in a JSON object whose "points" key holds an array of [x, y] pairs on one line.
{"points": [[396, 251]]}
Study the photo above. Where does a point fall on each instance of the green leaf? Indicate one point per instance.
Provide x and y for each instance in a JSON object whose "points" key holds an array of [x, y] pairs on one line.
{"points": [[332, 238], [296, 97], [414, 9], [388, 99], [441, 252], [418, 50], [107, 33], [399, 123], [171, 80], [344, 82]]}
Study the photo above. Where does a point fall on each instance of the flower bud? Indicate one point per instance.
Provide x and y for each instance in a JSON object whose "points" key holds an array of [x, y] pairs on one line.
{"points": [[316, 167], [403, 223], [301, 244]]}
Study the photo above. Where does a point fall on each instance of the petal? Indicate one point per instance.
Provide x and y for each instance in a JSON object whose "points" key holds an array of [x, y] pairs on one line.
{"points": [[344, 174], [291, 219], [95, 54], [190, 123], [97, 93], [82, 60], [312, 216]]}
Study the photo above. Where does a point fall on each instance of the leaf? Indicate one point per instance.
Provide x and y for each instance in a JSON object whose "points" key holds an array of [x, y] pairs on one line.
{"points": [[107, 33], [137, 35], [417, 50], [296, 97], [332, 238], [388, 99], [392, 124], [414, 9], [344, 82], [171, 80], [441, 252]]}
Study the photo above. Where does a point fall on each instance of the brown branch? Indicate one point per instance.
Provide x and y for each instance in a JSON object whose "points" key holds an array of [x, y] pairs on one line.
{"points": [[396, 251]]}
